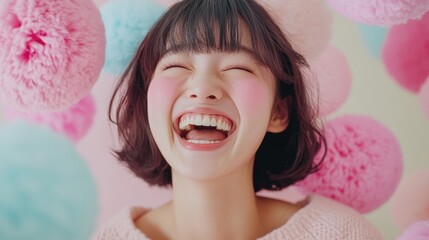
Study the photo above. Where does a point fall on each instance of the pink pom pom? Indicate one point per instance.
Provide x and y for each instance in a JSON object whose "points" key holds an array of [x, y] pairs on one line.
{"points": [[424, 98], [332, 75], [73, 122], [381, 12], [307, 24], [51, 52], [406, 53], [410, 202], [417, 231], [363, 164]]}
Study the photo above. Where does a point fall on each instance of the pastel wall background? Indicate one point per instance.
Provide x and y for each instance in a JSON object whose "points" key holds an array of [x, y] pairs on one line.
{"points": [[374, 93], [367, 89]]}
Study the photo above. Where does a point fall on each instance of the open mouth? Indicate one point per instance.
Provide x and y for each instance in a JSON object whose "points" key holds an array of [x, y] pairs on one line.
{"points": [[204, 128]]}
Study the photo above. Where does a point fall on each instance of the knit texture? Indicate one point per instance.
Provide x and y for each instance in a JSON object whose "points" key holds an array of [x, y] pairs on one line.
{"points": [[321, 218]]}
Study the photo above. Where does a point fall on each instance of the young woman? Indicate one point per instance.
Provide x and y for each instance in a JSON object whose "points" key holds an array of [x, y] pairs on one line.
{"points": [[214, 104]]}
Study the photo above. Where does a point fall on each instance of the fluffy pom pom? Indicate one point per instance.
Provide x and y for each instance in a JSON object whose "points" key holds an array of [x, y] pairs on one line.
{"points": [[406, 53], [47, 191], [424, 98], [410, 202], [373, 37], [73, 122], [381, 12], [332, 75], [51, 52], [417, 231], [363, 164], [307, 24], [127, 23]]}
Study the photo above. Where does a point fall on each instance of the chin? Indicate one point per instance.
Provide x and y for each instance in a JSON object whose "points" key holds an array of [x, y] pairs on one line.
{"points": [[199, 171]]}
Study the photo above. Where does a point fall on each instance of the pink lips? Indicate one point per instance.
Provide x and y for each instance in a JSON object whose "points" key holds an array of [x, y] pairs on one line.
{"points": [[202, 147]]}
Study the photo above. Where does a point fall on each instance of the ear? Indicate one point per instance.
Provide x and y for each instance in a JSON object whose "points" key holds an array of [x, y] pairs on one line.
{"points": [[279, 119]]}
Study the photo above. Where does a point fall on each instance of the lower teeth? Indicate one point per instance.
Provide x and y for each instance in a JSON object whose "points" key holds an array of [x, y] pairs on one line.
{"points": [[202, 141]]}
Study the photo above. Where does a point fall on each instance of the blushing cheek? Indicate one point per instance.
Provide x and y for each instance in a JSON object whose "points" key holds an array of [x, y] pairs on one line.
{"points": [[161, 95], [253, 96]]}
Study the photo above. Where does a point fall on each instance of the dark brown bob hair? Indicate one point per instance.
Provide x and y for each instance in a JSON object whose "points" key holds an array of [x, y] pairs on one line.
{"points": [[214, 25]]}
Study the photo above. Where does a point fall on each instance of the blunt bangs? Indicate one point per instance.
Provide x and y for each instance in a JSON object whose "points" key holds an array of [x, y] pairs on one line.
{"points": [[218, 26], [204, 28]]}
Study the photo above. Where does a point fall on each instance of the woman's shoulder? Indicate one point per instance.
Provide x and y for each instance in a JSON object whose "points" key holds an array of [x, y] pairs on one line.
{"points": [[323, 218], [122, 226]]}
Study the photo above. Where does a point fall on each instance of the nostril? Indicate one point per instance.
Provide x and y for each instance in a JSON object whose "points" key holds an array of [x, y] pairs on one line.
{"points": [[209, 97]]}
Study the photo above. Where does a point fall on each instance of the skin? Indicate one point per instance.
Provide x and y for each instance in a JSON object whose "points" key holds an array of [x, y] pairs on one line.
{"points": [[213, 196]]}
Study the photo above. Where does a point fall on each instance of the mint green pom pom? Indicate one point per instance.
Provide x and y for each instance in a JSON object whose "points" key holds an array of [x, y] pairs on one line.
{"points": [[46, 189], [127, 23], [373, 37]]}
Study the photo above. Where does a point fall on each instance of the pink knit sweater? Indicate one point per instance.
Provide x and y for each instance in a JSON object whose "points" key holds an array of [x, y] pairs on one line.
{"points": [[320, 219]]}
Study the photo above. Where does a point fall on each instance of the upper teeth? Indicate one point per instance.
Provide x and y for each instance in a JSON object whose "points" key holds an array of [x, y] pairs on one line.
{"points": [[219, 122]]}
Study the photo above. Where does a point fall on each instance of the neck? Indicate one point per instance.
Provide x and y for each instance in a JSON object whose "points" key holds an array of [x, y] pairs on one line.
{"points": [[224, 208]]}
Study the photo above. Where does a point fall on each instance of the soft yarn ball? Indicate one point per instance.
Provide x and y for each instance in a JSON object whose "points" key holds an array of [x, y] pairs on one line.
{"points": [[47, 191], [373, 38], [410, 203], [127, 23], [406, 53], [51, 52], [417, 231], [381, 12], [306, 24], [331, 72], [73, 122], [424, 98], [363, 163]]}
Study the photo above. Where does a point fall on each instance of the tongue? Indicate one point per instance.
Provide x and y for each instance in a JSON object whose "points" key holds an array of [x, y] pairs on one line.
{"points": [[205, 134]]}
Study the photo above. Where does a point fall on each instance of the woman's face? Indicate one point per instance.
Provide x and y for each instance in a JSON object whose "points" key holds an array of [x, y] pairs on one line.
{"points": [[209, 112]]}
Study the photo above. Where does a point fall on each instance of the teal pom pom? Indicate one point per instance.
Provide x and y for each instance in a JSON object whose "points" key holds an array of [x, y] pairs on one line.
{"points": [[127, 23], [373, 37], [46, 190]]}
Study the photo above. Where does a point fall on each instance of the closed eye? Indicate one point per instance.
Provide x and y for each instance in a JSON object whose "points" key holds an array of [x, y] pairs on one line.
{"points": [[172, 66], [241, 68]]}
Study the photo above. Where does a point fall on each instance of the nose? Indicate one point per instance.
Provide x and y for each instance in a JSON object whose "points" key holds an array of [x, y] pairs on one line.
{"points": [[205, 89]]}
